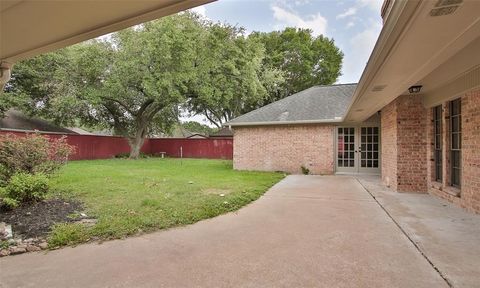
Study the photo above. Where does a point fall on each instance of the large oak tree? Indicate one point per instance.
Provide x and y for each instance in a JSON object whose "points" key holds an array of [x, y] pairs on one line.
{"points": [[132, 83]]}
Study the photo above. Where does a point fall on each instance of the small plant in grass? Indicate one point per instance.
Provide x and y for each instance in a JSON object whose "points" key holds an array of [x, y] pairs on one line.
{"points": [[67, 234], [4, 244], [305, 170]]}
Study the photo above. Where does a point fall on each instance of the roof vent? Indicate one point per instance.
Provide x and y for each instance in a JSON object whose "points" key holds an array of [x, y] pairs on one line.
{"points": [[445, 7], [443, 3], [378, 88]]}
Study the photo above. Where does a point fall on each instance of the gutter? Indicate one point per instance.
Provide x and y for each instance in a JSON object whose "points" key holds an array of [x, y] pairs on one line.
{"points": [[268, 123]]}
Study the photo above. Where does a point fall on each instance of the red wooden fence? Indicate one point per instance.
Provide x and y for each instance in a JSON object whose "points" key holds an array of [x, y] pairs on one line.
{"points": [[193, 148], [102, 147]]}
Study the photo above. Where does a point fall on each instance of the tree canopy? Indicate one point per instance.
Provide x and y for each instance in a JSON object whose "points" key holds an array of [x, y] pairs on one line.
{"points": [[230, 77], [197, 127], [304, 59]]}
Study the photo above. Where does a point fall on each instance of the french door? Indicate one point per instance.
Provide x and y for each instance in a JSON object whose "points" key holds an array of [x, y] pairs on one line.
{"points": [[358, 149]]}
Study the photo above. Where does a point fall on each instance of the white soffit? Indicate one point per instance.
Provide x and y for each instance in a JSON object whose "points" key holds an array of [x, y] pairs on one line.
{"points": [[32, 27], [412, 45]]}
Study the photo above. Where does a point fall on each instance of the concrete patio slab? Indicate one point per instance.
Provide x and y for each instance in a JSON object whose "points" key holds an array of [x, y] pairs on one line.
{"points": [[447, 235], [306, 231]]}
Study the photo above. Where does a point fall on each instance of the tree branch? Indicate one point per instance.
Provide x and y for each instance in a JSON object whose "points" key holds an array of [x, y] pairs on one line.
{"points": [[120, 103], [211, 120], [144, 107]]}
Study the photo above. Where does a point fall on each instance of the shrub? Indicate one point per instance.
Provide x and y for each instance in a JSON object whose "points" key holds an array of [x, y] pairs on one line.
{"points": [[305, 170], [32, 154], [122, 155], [5, 200], [125, 155], [23, 188]]}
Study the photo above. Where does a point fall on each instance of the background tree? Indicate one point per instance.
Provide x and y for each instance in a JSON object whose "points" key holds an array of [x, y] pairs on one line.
{"points": [[132, 83], [194, 126], [33, 81], [230, 79], [305, 60]]}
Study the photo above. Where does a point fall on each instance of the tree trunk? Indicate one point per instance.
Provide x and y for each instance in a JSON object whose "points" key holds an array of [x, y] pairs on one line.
{"points": [[136, 143], [135, 146]]}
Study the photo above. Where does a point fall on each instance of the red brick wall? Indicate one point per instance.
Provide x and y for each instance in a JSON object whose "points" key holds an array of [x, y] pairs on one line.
{"points": [[468, 195], [412, 144], [284, 148], [389, 145], [471, 151], [404, 146]]}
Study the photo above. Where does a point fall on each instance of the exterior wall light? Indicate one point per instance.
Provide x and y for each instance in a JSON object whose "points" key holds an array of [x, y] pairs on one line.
{"points": [[415, 89]]}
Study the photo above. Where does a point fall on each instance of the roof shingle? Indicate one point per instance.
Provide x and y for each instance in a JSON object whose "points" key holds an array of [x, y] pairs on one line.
{"points": [[327, 103]]}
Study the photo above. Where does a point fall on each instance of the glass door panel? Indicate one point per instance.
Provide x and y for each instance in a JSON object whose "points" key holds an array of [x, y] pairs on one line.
{"points": [[369, 149], [346, 156]]}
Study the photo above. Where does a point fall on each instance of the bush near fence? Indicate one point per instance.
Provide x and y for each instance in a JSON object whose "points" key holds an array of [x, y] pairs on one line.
{"points": [[103, 147]]}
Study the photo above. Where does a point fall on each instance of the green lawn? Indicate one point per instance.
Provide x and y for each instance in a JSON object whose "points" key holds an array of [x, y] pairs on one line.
{"points": [[134, 196]]}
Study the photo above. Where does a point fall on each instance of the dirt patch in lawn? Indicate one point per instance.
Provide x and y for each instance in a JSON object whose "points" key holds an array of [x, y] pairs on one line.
{"points": [[216, 191], [35, 220]]}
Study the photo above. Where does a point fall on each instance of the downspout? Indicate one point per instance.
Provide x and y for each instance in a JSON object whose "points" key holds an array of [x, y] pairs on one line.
{"points": [[5, 73]]}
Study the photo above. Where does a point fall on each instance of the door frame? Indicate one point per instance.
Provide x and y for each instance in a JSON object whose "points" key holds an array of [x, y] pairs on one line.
{"points": [[357, 135]]}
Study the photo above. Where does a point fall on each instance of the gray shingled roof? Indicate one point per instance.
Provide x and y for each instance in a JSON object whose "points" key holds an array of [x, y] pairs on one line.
{"points": [[14, 119], [327, 103]]}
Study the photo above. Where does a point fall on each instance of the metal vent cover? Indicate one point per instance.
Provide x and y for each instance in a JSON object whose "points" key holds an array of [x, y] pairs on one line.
{"points": [[445, 7], [378, 88], [443, 3]]}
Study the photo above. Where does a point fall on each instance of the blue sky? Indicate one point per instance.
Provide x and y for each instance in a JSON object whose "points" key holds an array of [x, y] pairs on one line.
{"points": [[353, 24]]}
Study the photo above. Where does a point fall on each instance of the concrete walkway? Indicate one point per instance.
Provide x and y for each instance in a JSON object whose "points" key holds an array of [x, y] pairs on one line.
{"points": [[307, 231], [447, 235]]}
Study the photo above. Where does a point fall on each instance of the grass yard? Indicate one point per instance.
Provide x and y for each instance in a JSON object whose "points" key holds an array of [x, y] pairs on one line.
{"points": [[131, 197]]}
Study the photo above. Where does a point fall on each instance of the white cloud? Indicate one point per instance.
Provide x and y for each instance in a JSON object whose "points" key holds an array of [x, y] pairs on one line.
{"points": [[350, 24], [357, 53], [317, 23], [350, 12], [301, 2], [200, 10], [375, 5]]}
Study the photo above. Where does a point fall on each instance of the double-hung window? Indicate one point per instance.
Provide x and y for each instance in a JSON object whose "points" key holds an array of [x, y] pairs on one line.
{"points": [[455, 142], [437, 127]]}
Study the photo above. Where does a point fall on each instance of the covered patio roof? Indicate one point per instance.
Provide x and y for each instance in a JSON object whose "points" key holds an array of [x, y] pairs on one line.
{"points": [[430, 43], [32, 27]]}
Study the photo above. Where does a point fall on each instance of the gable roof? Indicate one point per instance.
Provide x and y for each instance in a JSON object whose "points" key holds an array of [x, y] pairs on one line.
{"points": [[318, 104]]}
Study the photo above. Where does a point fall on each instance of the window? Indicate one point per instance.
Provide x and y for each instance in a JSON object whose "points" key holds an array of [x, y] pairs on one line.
{"points": [[437, 126], [455, 142]]}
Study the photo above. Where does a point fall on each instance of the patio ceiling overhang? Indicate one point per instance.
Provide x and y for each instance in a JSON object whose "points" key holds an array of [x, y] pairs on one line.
{"points": [[441, 53], [32, 27]]}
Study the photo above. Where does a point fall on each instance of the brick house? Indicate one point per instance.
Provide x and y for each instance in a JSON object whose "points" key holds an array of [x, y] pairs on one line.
{"points": [[413, 118]]}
